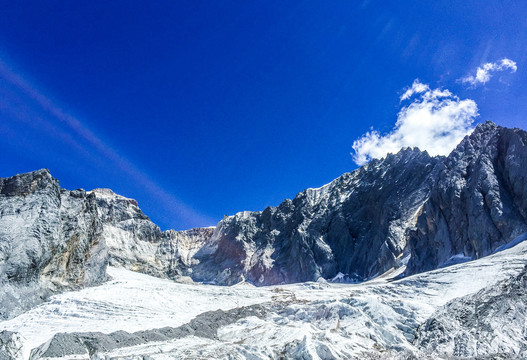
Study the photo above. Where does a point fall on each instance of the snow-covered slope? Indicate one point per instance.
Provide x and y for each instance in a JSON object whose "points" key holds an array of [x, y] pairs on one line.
{"points": [[314, 320], [490, 322]]}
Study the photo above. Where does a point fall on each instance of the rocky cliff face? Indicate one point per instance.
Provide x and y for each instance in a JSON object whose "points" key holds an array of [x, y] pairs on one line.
{"points": [[355, 225], [130, 236], [136, 243], [50, 239], [181, 251], [478, 200]]}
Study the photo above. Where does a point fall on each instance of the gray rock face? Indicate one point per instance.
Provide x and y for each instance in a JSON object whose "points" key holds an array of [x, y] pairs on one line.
{"points": [[466, 204], [180, 251], [136, 243], [11, 346], [50, 239], [478, 201], [90, 344], [354, 225], [486, 324], [129, 234]]}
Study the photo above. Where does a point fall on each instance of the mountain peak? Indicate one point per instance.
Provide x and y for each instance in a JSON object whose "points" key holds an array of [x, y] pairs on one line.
{"points": [[103, 192], [486, 129], [26, 183], [109, 194]]}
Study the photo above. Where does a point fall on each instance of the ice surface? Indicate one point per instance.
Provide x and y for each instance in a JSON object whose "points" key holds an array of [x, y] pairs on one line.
{"points": [[455, 259], [322, 320], [513, 243]]}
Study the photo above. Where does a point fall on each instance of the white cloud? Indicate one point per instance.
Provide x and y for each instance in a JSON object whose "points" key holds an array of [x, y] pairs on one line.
{"points": [[417, 88], [435, 121], [485, 72]]}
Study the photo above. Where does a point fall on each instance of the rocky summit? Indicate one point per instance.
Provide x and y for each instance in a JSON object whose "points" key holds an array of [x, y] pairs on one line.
{"points": [[478, 201], [406, 214]]}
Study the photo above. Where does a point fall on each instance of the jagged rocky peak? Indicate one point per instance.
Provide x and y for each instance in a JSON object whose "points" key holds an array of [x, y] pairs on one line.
{"points": [[478, 201], [115, 208], [359, 225], [355, 225], [105, 192]]}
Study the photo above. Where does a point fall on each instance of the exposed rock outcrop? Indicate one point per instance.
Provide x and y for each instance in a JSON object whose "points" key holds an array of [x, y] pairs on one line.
{"points": [[11, 346], [50, 239], [438, 209], [91, 344], [478, 201], [355, 225], [136, 243], [129, 234]]}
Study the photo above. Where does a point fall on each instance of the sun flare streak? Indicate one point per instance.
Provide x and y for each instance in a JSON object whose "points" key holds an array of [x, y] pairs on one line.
{"points": [[175, 206]]}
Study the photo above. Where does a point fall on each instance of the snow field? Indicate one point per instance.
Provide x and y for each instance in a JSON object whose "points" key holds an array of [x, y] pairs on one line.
{"points": [[316, 319]]}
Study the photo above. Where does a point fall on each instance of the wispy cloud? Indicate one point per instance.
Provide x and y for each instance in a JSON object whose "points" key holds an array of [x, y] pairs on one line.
{"points": [[484, 73], [435, 121], [173, 205]]}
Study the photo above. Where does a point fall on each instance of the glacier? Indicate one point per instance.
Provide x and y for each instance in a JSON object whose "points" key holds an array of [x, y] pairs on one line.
{"points": [[317, 320]]}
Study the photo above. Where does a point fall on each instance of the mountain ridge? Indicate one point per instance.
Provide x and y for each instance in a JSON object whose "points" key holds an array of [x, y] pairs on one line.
{"points": [[407, 206]]}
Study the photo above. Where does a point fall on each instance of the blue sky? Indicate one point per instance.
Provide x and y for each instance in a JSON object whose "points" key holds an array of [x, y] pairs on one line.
{"points": [[199, 109]]}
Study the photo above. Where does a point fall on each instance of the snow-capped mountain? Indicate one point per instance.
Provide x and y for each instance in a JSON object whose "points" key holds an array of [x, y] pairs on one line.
{"points": [[408, 216]]}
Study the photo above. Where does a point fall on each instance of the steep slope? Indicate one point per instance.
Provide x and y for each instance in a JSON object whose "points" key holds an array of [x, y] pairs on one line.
{"points": [[130, 235], [478, 201], [50, 239], [488, 323], [355, 225], [136, 243], [180, 251]]}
